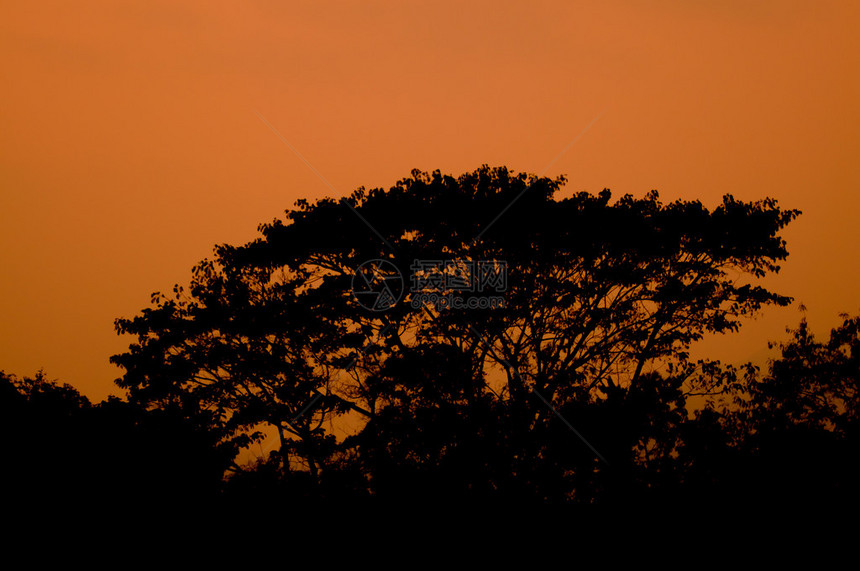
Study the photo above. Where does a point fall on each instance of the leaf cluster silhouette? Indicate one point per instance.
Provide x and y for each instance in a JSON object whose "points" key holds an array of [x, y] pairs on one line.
{"points": [[579, 391]]}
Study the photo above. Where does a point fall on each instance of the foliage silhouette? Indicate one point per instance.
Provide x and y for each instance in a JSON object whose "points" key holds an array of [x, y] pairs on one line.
{"points": [[603, 300], [799, 423], [66, 453]]}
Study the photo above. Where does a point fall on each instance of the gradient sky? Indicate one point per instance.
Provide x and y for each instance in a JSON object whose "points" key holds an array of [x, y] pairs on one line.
{"points": [[129, 143]]}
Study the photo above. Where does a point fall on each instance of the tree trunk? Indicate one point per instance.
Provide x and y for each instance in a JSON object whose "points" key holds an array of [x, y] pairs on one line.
{"points": [[285, 453]]}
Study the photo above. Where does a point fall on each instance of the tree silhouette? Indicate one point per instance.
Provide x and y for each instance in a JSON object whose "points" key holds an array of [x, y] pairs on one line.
{"points": [[66, 454], [813, 384], [600, 294], [799, 423]]}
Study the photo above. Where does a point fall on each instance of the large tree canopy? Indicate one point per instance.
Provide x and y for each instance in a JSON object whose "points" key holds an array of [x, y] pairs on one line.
{"points": [[600, 293]]}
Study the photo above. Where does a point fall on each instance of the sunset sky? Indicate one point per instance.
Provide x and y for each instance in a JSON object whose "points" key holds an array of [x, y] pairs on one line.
{"points": [[130, 142]]}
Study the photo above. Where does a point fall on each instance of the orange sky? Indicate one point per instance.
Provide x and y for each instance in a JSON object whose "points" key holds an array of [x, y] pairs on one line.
{"points": [[129, 143]]}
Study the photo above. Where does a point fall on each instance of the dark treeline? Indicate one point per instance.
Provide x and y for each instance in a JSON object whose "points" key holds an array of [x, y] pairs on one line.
{"points": [[579, 390], [784, 439]]}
